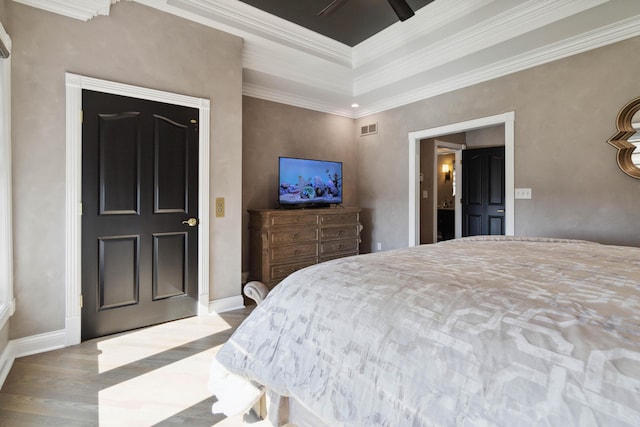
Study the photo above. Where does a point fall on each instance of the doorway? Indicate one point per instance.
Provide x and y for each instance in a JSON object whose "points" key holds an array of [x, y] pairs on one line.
{"points": [[506, 119], [440, 202], [74, 85]]}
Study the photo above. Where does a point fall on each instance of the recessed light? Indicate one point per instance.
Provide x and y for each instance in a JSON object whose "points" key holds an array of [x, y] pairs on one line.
{"points": [[354, 105]]}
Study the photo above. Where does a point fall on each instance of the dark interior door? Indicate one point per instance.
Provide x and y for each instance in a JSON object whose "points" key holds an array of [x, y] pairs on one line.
{"points": [[139, 184], [483, 191]]}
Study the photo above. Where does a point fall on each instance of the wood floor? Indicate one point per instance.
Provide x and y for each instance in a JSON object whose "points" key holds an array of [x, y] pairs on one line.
{"points": [[152, 376]]}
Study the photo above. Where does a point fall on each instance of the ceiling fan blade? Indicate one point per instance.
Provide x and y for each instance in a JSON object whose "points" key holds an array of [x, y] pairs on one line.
{"points": [[332, 7], [402, 9]]}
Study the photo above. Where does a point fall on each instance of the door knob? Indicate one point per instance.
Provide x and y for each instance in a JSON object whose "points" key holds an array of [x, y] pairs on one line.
{"points": [[191, 222]]}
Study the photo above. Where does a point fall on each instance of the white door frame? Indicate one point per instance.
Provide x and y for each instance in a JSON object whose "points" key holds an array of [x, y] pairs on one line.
{"points": [[73, 250], [506, 119]]}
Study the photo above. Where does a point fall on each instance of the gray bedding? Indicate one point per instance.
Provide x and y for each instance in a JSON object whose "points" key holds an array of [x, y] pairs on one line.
{"points": [[471, 332]]}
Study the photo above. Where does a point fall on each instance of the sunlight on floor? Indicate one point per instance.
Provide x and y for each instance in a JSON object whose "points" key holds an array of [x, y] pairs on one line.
{"points": [[163, 391], [150, 398], [132, 346]]}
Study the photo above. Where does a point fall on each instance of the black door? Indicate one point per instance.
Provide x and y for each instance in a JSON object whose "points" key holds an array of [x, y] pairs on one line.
{"points": [[483, 191], [139, 184]]}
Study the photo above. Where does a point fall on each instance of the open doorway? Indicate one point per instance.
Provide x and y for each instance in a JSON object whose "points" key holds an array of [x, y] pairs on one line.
{"points": [[506, 123], [439, 188]]}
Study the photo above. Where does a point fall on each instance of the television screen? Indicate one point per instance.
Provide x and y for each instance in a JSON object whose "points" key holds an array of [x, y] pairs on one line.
{"points": [[309, 182]]}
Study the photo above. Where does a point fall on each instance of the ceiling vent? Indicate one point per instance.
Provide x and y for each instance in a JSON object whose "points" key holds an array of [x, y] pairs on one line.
{"points": [[368, 129]]}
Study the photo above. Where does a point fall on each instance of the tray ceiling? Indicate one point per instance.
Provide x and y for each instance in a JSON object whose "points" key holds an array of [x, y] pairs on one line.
{"points": [[447, 45], [353, 22]]}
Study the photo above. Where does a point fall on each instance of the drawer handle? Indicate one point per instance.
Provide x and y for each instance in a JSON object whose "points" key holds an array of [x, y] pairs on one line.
{"points": [[340, 246], [341, 233], [296, 252]]}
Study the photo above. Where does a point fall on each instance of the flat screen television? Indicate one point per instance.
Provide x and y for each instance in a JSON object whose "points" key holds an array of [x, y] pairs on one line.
{"points": [[309, 183]]}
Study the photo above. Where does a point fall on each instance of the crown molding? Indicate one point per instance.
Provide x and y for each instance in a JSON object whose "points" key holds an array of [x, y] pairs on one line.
{"points": [[512, 23], [426, 22], [604, 36], [294, 99], [296, 66], [246, 21], [77, 9]]}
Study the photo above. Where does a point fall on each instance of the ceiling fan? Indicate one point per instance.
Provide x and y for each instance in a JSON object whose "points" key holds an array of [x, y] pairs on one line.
{"points": [[400, 7]]}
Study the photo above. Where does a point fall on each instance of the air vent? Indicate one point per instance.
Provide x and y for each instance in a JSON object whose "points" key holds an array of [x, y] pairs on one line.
{"points": [[369, 129]]}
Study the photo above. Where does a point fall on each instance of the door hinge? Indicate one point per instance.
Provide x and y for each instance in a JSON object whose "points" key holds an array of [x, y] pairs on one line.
{"points": [[80, 209], [81, 302], [81, 116]]}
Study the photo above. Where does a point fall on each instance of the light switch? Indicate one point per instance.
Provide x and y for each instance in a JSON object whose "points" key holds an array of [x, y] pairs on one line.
{"points": [[523, 193], [425, 194], [219, 207]]}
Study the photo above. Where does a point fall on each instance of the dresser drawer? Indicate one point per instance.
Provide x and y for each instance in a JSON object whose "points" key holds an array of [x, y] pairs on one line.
{"points": [[293, 236], [294, 252], [281, 271], [293, 220], [339, 246], [345, 218], [330, 233]]}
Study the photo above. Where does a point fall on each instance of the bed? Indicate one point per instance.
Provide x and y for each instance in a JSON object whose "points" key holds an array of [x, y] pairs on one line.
{"points": [[485, 331]]}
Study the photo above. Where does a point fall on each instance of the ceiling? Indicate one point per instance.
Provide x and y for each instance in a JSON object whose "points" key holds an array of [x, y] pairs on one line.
{"points": [[447, 45], [353, 22]]}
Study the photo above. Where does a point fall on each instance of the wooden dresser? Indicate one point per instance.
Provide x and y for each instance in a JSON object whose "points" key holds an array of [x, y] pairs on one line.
{"points": [[283, 241]]}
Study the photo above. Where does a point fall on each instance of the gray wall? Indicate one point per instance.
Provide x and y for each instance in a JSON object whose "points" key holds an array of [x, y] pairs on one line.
{"points": [[271, 130], [135, 45], [488, 137], [564, 112]]}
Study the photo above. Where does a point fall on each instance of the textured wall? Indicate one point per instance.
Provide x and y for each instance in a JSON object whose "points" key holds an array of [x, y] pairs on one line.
{"points": [[488, 137], [136, 45], [564, 112], [270, 130]]}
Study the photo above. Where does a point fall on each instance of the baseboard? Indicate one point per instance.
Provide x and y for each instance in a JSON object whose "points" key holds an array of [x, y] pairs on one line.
{"points": [[39, 343], [226, 304], [6, 362], [27, 346]]}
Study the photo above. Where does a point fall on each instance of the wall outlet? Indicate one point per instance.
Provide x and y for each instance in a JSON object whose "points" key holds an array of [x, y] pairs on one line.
{"points": [[425, 194], [523, 193], [379, 246]]}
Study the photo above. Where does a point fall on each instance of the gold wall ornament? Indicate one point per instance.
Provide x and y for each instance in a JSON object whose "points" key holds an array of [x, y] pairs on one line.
{"points": [[627, 139]]}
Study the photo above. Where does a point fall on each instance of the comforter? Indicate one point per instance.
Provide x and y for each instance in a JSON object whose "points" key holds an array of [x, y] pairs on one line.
{"points": [[469, 332]]}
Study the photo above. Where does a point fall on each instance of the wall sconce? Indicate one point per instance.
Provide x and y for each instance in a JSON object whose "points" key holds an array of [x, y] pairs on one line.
{"points": [[447, 172]]}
